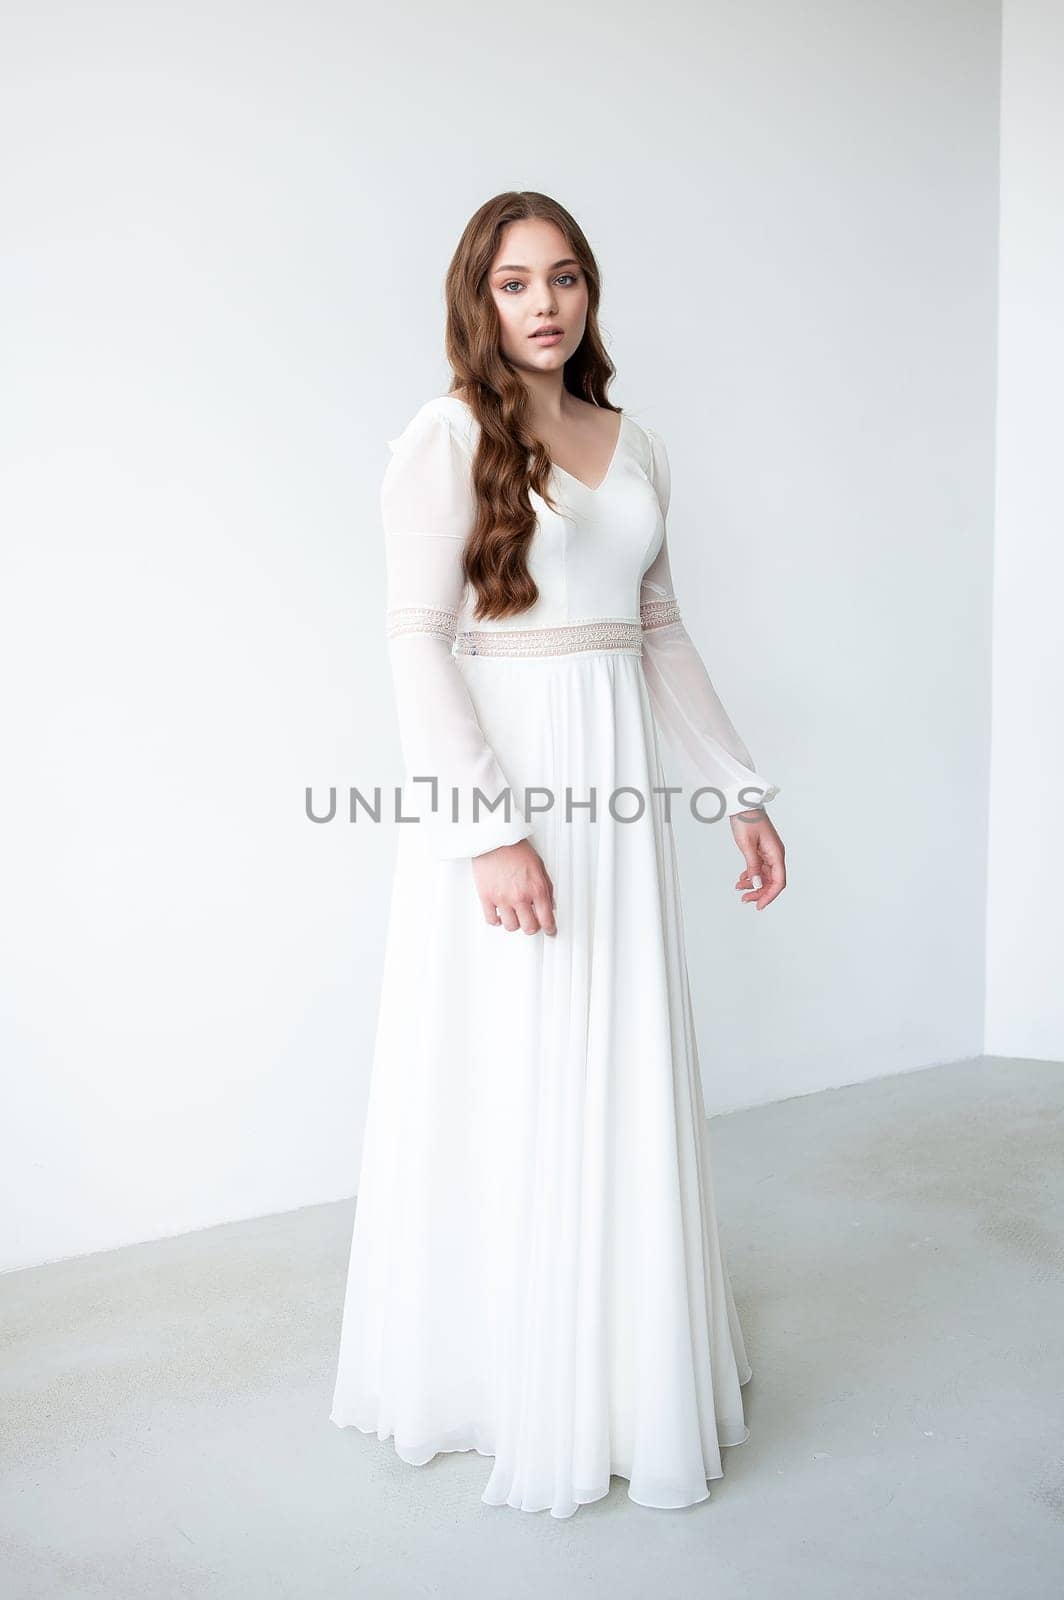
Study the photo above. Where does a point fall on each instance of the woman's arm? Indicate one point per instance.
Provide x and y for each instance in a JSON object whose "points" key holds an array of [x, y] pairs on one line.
{"points": [[427, 509], [686, 706]]}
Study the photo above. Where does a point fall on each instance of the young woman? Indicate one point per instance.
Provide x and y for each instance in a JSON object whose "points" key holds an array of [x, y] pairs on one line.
{"points": [[535, 1271]]}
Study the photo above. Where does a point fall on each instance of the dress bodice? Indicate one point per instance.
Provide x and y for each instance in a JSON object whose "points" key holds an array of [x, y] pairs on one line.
{"points": [[588, 557]]}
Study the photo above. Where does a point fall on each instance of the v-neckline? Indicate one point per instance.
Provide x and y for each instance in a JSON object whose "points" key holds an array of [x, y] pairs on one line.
{"points": [[609, 470], [556, 468]]}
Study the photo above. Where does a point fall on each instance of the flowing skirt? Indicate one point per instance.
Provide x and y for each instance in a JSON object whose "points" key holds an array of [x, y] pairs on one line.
{"points": [[535, 1271]]}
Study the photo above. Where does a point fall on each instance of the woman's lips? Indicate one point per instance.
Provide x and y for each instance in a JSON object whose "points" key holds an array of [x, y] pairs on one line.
{"points": [[548, 338]]}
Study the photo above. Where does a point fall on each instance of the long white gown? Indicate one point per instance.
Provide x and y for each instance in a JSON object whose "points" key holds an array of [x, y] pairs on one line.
{"points": [[535, 1269]]}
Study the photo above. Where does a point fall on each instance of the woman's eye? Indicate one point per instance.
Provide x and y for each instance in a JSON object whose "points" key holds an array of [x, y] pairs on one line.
{"points": [[515, 283]]}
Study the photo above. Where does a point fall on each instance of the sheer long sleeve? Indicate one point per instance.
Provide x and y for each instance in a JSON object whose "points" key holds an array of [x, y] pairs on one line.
{"points": [[427, 509], [686, 706]]}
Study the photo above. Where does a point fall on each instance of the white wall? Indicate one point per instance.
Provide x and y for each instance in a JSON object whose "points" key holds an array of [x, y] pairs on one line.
{"points": [[1025, 943], [222, 294]]}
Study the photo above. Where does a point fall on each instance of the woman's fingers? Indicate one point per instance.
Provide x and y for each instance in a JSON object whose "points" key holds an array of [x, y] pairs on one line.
{"points": [[530, 916], [771, 879], [765, 875], [543, 906], [515, 889]]}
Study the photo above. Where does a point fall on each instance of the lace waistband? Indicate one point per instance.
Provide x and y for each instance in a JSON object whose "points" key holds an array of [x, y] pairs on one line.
{"points": [[602, 635]]}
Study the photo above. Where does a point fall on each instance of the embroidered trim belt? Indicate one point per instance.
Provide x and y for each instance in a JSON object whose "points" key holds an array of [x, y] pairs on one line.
{"points": [[604, 633]]}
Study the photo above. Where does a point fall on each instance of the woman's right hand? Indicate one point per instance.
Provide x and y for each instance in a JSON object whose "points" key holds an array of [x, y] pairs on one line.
{"points": [[515, 888]]}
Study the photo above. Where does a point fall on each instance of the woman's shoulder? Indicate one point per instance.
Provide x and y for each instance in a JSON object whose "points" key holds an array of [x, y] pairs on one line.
{"points": [[646, 441], [649, 440], [656, 461], [643, 431], [445, 410]]}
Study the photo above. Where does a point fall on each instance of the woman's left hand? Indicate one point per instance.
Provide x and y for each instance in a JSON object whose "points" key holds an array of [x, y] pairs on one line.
{"points": [[764, 854]]}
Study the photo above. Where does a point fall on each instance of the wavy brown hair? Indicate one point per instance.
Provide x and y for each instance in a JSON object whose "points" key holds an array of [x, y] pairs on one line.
{"points": [[495, 555]]}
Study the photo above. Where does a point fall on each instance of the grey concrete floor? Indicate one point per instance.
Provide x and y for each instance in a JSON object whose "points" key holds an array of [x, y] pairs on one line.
{"points": [[896, 1252]]}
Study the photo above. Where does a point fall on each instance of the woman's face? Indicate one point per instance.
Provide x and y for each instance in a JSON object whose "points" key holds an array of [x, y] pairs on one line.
{"points": [[536, 284]]}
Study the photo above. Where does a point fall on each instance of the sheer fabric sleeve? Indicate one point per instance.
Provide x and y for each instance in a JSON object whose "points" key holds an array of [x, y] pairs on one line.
{"points": [[427, 509], [686, 706]]}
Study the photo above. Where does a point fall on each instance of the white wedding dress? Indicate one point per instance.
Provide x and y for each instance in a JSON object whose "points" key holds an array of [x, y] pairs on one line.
{"points": [[535, 1270]]}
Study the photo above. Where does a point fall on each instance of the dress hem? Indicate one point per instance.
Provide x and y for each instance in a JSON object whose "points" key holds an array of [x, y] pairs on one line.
{"points": [[581, 1500]]}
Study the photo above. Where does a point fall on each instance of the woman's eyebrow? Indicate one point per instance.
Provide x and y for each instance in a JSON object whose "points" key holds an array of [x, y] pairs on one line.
{"points": [[570, 261]]}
